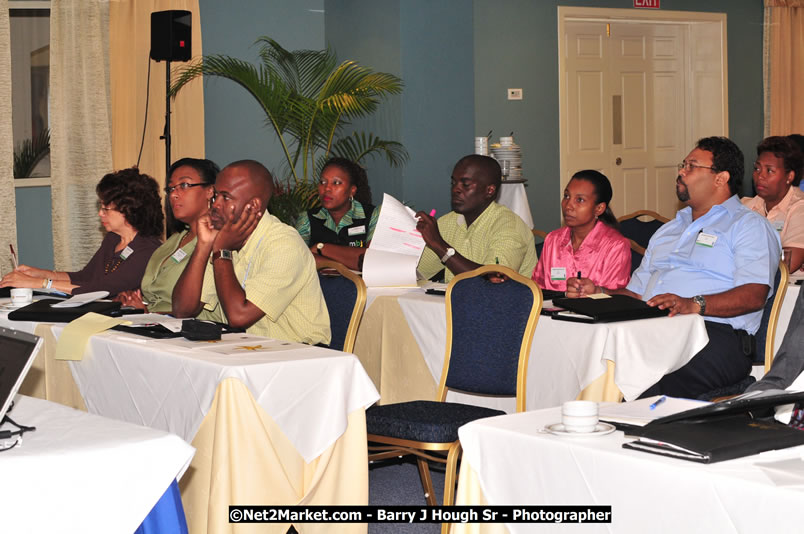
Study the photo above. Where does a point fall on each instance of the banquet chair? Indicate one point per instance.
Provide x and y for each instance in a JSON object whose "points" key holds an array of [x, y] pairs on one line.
{"points": [[345, 294], [764, 338], [637, 253], [540, 245], [489, 333], [632, 227]]}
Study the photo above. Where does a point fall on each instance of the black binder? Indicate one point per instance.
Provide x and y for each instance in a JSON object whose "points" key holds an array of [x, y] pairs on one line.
{"points": [[720, 431], [606, 310], [43, 312]]}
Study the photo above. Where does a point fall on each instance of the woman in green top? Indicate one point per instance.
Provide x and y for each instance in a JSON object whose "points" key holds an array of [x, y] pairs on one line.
{"points": [[188, 193]]}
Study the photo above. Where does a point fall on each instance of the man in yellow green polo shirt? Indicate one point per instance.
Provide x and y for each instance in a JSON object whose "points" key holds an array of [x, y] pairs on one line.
{"points": [[478, 231], [249, 269]]}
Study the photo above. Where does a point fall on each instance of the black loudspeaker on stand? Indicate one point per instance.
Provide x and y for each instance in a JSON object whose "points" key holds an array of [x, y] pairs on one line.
{"points": [[171, 40]]}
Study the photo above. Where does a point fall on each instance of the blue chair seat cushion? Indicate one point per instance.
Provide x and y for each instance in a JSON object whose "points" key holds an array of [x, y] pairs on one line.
{"points": [[427, 421]]}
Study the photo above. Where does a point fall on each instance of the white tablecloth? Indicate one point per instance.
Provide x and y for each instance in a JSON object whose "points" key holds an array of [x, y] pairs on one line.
{"points": [[82, 473], [514, 197], [169, 384], [516, 464], [566, 357]]}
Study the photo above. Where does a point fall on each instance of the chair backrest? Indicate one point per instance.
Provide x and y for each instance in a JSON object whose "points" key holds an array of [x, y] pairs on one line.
{"points": [[490, 329], [766, 334], [540, 245], [637, 253], [638, 230], [345, 294]]}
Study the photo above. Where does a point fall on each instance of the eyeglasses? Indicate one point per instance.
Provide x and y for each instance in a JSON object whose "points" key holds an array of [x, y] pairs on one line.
{"points": [[688, 167], [184, 186], [106, 210]]}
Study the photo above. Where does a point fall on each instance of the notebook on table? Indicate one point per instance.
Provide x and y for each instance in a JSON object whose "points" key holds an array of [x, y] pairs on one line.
{"points": [[606, 310], [17, 353]]}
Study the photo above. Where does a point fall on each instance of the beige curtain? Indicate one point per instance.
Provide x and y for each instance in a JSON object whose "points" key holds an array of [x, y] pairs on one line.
{"points": [[784, 67], [8, 228], [130, 45], [81, 151]]}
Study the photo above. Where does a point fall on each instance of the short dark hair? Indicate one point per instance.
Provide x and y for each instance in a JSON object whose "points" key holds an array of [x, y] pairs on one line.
{"points": [[206, 169], [785, 149], [488, 166], [136, 196], [357, 177], [726, 156], [603, 193]]}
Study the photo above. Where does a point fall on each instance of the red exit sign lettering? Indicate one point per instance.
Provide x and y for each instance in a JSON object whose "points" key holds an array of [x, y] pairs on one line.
{"points": [[651, 4]]}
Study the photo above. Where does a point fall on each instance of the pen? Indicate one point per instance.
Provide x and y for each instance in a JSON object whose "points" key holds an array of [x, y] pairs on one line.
{"points": [[432, 212], [579, 275], [497, 260], [13, 256], [658, 402]]}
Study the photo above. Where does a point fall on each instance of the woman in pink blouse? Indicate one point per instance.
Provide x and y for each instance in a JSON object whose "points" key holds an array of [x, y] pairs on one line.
{"points": [[590, 244]]}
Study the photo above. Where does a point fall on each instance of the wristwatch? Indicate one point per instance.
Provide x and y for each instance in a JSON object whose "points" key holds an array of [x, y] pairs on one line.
{"points": [[222, 254], [447, 255], [319, 247], [700, 301]]}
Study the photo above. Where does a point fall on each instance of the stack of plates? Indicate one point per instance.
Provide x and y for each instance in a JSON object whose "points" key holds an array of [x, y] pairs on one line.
{"points": [[512, 154]]}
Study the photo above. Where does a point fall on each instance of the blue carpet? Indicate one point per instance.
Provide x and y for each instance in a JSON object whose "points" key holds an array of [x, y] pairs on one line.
{"points": [[396, 482]]}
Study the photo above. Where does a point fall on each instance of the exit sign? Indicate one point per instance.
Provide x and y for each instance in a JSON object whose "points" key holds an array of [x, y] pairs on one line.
{"points": [[652, 4]]}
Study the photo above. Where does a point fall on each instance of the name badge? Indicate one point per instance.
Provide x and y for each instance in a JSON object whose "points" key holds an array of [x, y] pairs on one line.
{"points": [[178, 256], [126, 252], [355, 230], [558, 273], [778, 225], [706, 240]]}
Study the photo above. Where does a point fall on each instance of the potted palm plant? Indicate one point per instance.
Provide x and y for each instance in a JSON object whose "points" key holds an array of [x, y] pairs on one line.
{"points": [[308, 98]]}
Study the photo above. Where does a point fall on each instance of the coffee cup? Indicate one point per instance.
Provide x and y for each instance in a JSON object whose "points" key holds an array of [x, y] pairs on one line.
{"points": [[579, 416], [21, 295]]}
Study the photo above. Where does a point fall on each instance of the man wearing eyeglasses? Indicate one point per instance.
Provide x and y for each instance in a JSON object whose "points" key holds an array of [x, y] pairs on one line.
{"points": [[717, 258], [249, 269]]}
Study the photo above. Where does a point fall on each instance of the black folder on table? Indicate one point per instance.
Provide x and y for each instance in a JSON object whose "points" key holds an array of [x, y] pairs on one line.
{"points": [[720, 431], [43, 312], [606, 310]]}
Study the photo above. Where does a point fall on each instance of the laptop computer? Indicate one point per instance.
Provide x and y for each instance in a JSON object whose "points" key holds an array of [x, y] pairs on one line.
{"points": [[17, 353]]}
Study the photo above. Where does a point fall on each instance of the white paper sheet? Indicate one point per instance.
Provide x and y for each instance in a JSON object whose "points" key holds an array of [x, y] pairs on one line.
{"points": [[395, 248]]}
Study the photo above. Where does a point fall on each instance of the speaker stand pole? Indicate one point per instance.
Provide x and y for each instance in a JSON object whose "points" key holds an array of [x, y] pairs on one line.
{"points": [[166, 135]]}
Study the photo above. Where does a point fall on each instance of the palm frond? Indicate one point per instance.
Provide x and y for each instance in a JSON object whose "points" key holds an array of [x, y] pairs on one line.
{"points": [[359, 146], [30, 152]]}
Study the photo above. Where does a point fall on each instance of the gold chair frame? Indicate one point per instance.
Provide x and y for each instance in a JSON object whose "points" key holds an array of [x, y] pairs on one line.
{"points": [[773, 320], [640, 213], [539, 233], [392, 447], [360, 301]]}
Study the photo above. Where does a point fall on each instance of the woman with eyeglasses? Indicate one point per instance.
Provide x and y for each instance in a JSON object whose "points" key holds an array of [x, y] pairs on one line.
{"points": [[777, 173], [342, 227], [589, 251], [131, 214], [187, 196]]}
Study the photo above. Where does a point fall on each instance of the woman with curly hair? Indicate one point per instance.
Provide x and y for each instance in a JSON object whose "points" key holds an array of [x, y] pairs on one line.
{"points": [[131, 212], [342, 227], [189, 190]]}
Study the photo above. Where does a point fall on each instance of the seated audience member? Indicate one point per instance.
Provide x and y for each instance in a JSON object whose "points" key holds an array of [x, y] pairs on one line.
{"points": [[189, 192], [260, 276], [478, 231], [590, 243], [342, 227], [717, 258], [777, 173], [131, 213], [788, 363]]}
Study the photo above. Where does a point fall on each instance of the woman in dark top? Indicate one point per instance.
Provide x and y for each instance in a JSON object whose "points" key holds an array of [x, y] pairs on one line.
{"points": [[342, 227], [131, 212]]}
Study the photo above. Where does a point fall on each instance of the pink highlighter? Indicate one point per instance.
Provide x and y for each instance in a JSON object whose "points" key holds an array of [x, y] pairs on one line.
{"points": [[432, 212]]}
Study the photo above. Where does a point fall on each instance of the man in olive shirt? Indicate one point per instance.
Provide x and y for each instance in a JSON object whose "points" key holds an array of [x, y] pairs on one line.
{"points": [[261, 276], [478, 231]]}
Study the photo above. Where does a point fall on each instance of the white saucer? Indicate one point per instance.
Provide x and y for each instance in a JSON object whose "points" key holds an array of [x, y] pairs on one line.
{"points": [[8, 306], [600, 430]]}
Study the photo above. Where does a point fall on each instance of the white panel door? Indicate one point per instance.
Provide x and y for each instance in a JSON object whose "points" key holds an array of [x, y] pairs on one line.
{"points": [[636, 97]]}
